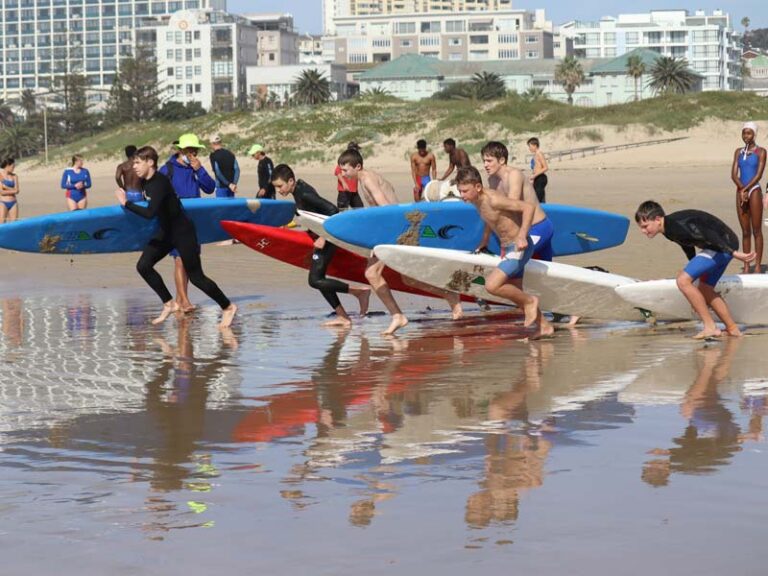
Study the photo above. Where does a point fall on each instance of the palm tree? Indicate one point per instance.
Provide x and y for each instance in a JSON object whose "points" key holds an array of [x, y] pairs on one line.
{"points": [[534, 93], [28, 103], [672, 76], [377, 92], [17, 140], [488, 86], [636, 69], [312, 88], [6, 114], [746, 22], [570, 74]]}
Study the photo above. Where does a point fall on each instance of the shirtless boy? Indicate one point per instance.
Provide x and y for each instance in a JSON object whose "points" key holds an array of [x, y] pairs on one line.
{"points": [[457, 157], [511, 220], [423, 169], [717, 245], [306, 198], [379, 192], [126, 177]]}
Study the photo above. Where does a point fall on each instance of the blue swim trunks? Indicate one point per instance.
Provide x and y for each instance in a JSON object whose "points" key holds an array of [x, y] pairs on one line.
{"points": [[134, 195], [425, 180], [513, 261], [709, 266], [224, 193], [542, 234]]}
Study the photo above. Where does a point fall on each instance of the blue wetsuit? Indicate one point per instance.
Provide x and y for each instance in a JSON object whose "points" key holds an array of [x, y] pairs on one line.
{"points": [[68, 180], [749, 163]]}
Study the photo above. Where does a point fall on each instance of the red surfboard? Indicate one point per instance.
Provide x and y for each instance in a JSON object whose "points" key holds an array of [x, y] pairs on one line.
{"points": [[295, 247]]}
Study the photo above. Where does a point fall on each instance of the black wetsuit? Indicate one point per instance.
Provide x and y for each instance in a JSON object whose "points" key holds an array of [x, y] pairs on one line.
{"points": [[176, 231], [308, 199], [693, 229], [264, 171]]}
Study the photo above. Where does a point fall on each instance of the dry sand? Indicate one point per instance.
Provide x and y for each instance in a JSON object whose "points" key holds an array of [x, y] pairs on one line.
{"points": [[689, 173]]}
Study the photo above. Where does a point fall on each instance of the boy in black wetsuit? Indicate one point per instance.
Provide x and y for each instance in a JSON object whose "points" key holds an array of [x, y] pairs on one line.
{"points": [[176, 231], [308, 199], [717, 245]]}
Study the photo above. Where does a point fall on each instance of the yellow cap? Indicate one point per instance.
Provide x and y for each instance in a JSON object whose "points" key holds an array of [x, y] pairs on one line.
{"points": [[189, 141], [255, 148]]}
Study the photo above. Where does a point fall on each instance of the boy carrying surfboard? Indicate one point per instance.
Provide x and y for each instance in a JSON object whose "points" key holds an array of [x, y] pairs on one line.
{"points": [[717, 245], [511, 220]]}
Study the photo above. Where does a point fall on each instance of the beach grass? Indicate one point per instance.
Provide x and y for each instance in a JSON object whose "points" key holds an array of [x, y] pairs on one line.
{"points": [[309, 134]]}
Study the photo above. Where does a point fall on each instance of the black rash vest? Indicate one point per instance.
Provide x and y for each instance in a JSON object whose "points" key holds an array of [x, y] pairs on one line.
{"points": [[308, 199], [696, 229], [165, 204]]}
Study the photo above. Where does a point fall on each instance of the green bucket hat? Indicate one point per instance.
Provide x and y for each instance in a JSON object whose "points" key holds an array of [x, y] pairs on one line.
{"points": [[255, 148], [189, 141]]}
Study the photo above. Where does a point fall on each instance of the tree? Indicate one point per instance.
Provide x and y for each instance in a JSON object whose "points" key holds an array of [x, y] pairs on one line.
{"points": [[570, 74], [72, 88], [746, 22], [17, 140], [176, 111], [312, 88], [28, 103], [672, 76], [6, 114], [135, 93], [488, 86], [533, 94], [636, 69], [455, 91]]}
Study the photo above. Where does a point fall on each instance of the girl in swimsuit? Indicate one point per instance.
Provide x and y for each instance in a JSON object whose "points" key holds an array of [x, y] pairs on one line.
{"points": [[746, 173], [9, 188], [76, 181]]}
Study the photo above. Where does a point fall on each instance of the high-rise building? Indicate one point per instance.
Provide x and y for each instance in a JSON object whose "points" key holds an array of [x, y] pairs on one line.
{"points": [[278, 40], [45, 39], [343, 8], [706, 41], [202, 56]]}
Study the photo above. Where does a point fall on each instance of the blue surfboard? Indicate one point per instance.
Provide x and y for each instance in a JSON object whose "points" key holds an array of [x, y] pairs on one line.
{"points": [[457, 225], [114, 229]]}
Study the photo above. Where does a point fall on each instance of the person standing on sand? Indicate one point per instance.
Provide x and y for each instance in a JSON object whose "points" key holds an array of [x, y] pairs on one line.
{"points": [[423, 169], [457, 157], [76, 181], [717, 245], [539, 169], [511, 221], [189, 178], [264, 171], [126, 178], [347, 187], [746, 172], [9, 190], [225, 169], [176, 231], [307, 198], [379, 192]]}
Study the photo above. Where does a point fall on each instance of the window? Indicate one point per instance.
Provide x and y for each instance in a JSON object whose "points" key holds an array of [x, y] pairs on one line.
{"points": [[197, 53], [531, 39], [455, 26], [170, 72], [609, 37], [507, 38], [631, 38], [532, 54], [406, 43], [507, 54], [198, 70], [430, 27], [478, 54], [271, 56], [169, 54], [429, 41], [405, 27], [478, 39], [454, 42]]}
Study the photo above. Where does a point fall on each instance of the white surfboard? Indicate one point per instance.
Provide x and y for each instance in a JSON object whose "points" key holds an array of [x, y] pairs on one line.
{"points": [[746, 295], [561, 288], [441, 191], [314, 223]]}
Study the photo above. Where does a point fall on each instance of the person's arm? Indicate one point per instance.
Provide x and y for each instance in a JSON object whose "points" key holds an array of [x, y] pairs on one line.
{"points": [[149, 211], [373, 188], [86, 179], [236, 179], [319, 205], [690, 251], [448, 172], [206, 183], [433, 167], [263, 174], [119, 176], [735, 170], [760, 168], [219, 174], [485, 239], [64, 180], [414, 171]]}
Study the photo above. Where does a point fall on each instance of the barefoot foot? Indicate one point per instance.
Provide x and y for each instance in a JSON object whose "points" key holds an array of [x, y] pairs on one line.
{"points": [[168, 309], [227, 315], [398, 321], [338, 322], [531, 311], [454, 301], [708, 333], [364, 298], [733, 331]]}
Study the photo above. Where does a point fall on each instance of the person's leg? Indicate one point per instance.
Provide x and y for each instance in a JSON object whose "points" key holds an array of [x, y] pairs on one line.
{"points": [[152, 254], [4, 212], [501, 285], [71, 204], [83, 204], [742, 211], [719, 306], [13, 213], [328, 287], [756, 222], [342, 200], [190, 259], [355, 201], [374, 274], [452, 298], [181, 279], [539, 186], [685, 284]]}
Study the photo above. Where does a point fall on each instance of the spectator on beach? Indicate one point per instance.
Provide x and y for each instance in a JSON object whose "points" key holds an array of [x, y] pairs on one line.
{"points": [[225, 168], [457, 157], [423, 169], [9, 189], [264, 171], [76, 181], [347, 187], [539, 169], [126, 177]]}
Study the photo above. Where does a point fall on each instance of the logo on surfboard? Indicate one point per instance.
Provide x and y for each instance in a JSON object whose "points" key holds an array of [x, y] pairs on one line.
{"points": [[445, 232]]}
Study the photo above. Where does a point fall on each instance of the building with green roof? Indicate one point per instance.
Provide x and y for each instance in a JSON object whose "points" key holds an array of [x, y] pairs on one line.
{"points": [[607, 81]]}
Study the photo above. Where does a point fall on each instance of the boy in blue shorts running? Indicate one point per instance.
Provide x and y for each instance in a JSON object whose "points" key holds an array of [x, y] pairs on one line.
{"points": [[717, 245], [511, 220]]}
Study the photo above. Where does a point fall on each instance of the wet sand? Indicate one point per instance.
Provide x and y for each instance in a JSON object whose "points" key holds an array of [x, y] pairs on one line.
{"points": [[284, 447]]}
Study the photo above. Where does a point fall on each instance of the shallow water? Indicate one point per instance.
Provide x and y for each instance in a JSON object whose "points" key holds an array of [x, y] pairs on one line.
{"points": [[287, 448]]}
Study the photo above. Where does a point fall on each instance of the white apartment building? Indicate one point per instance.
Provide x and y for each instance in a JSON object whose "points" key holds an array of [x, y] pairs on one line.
{"points": [[43, 39], [282, 80], [310, 49], [278, 40], [706, 41], [202, 56], [452, 36], [343, 8]]}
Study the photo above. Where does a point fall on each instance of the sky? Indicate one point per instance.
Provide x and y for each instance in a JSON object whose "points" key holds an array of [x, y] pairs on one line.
{"points": [[308, 13]]}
